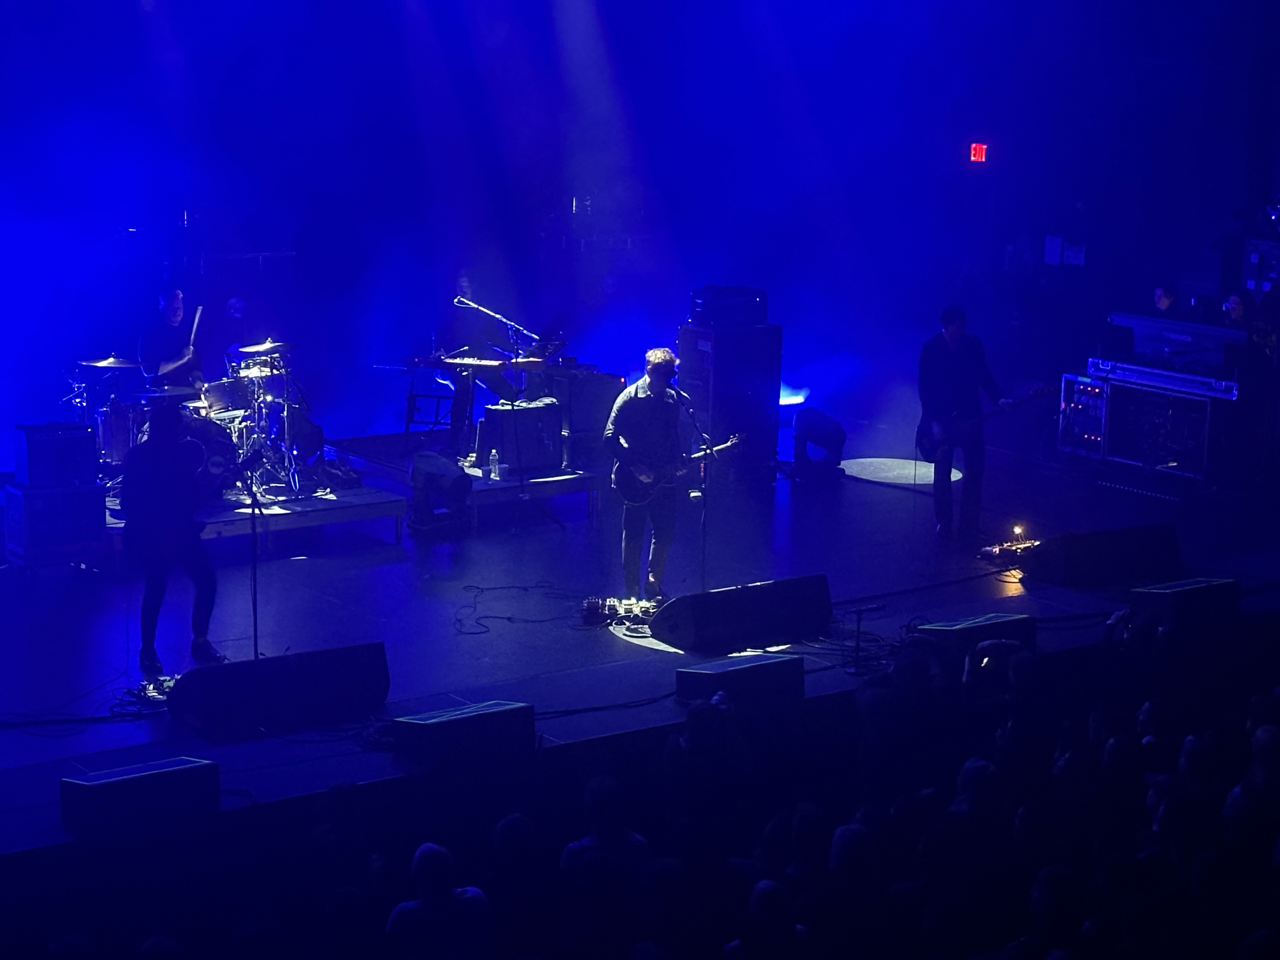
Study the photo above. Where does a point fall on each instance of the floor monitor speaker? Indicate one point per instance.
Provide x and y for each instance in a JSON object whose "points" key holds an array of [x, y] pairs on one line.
{"points": [[1106, 558], [230, 701], [493, 734], [165, 795], [1201, 608], [747, 617], [766, 680]]}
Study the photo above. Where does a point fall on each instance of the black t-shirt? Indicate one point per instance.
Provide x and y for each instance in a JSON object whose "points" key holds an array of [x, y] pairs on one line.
{"points": [[160, 343], [950, 380], [160, 491]]}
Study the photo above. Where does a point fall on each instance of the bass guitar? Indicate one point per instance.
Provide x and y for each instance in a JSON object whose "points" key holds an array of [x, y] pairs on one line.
{"points": [[933, 435], [636, 492]]}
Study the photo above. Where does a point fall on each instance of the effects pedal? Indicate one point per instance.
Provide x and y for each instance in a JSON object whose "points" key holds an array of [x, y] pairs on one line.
{"points": [[152, 691], [1010, 550], [598, 610]]}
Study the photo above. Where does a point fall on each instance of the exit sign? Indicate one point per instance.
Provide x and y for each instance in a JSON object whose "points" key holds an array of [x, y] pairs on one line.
{"points": [[978, 152]]}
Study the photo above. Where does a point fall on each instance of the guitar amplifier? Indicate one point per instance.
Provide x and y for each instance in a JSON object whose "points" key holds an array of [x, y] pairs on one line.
{"points": [[46, 526], [526, 435], [733, 374], [56, 455], [585, 397]]}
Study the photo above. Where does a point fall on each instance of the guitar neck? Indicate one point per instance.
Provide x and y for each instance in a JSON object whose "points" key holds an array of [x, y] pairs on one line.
{"points": [[702, 454]]}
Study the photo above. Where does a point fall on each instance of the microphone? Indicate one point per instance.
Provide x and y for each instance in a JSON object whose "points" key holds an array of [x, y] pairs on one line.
{"points": [[684, 397]]}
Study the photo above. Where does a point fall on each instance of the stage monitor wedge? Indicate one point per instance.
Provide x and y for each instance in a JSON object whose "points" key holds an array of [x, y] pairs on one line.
{"points": [[748, 617], [1106, 558], [164, 795], [246, 698]]}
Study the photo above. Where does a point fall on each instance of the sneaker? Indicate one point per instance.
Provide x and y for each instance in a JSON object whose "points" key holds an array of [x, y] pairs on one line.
{"points": [[204, 653], [150, 665], [652, 591]]}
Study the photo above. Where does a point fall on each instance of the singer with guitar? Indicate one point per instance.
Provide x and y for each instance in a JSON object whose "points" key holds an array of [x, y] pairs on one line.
{"points": [[953, 372], [643, 434]]}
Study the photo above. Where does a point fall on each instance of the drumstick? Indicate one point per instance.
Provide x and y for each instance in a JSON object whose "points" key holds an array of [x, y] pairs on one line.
{"points": [[194, 324]]}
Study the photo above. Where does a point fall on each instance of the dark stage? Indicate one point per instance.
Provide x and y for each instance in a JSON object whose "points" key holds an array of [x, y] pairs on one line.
{"points": [[460, 290], [71, 636]]}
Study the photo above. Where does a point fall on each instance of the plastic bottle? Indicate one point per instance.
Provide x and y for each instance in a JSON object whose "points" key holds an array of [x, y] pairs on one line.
{"points": [[493, 464]]}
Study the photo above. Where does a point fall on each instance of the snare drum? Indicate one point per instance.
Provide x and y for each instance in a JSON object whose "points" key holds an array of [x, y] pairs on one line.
{"points": [[228, 397]]}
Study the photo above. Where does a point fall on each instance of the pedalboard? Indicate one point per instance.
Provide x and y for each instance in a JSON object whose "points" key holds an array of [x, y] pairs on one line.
{"points": [[598, 610]]}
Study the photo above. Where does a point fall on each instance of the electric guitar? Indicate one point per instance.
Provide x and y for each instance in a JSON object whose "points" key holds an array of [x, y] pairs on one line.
{"points": [[636, 492], [933, 435]]}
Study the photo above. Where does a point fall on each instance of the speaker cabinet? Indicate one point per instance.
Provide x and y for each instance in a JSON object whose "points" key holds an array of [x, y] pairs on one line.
{"points": [[493, 734], [229, 701], [1194, 608], [964, 635], [733, 376], [163, 796], [44, 525], [585, 397], [1107, 558], [55, 455], [767, 681], [748, 617], [527, 437]]}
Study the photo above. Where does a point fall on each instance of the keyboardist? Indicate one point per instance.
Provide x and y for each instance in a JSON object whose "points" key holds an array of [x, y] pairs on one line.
{"points": [[467, 333]]}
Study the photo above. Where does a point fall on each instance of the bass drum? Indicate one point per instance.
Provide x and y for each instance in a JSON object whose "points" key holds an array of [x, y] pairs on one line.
{"points": [[218, 471]]}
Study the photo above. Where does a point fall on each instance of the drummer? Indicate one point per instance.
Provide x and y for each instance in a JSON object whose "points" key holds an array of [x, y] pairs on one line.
{"points": [[165, 349]]}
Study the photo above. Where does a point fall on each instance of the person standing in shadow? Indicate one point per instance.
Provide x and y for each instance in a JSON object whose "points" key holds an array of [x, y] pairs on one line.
{"points": [[159, 493]]}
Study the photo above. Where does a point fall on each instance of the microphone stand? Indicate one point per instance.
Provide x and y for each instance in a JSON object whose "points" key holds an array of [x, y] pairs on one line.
{"points": [[512, 326], [703, 484], [859, 613], [245, 468]]}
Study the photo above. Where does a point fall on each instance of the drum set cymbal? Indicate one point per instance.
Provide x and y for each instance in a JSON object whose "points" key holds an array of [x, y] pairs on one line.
{"points": [[254, 411], [110, 363], [268, 346]]}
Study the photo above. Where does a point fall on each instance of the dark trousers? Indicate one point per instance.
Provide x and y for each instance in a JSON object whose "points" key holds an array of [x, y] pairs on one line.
{"points": [[660, 514], [971, 443], [158, 560]]}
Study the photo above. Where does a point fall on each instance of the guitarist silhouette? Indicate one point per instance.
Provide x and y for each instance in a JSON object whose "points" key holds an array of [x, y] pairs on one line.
{"points": [[643, 434], [953, 370]]}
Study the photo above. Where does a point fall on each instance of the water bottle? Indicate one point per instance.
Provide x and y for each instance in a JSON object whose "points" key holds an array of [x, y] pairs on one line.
{"points": [[493, 464]]}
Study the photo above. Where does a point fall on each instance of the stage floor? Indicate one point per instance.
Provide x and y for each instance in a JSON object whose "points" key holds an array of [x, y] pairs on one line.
{"points": [[496, 614]]}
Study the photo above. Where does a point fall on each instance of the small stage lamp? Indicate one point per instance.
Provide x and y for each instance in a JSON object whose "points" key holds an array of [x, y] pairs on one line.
{"points": [[812, 426]]}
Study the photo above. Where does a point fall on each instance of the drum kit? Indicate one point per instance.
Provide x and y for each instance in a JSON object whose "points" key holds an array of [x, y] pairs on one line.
{"points": [[247, 417]]}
